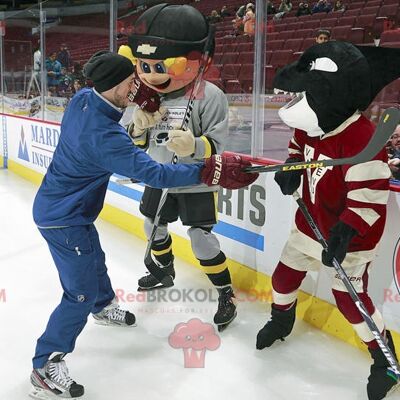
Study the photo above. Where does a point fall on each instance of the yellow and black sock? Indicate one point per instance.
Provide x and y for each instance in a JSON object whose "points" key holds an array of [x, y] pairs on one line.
{"points": [[162, 250], [217, 270]]}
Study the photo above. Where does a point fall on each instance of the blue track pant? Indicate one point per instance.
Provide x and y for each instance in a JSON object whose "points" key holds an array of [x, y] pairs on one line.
{"points": [[80, 262]]}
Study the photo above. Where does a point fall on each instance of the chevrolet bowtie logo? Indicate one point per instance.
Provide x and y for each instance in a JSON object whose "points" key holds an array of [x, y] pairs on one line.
{"points": [[146, 49]]}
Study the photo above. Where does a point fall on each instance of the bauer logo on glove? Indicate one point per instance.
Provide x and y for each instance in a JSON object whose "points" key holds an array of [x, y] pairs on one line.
{"points": [[227, 171]]}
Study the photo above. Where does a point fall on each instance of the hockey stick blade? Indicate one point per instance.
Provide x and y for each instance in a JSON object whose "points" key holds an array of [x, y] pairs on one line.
{"points": [[386, 126]]}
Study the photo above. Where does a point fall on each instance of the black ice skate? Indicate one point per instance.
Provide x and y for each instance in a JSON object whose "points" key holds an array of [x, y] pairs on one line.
{"points": [[226, 312], [382, 380], [278, 327], [149, 282], [113, 315], [53, 381]]}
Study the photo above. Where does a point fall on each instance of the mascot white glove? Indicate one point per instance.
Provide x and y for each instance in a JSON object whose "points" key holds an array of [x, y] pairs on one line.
{"points": [[182, 143], [142, 120]]}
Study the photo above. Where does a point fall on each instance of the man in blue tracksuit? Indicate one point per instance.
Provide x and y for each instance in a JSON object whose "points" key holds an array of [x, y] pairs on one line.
{"points": [[93, 146]]}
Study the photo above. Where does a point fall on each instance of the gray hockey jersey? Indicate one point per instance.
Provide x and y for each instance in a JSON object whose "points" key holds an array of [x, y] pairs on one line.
{"points": [[208, 123]]}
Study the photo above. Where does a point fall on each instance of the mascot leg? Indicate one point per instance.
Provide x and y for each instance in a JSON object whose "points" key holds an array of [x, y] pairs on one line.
{"points": [[162, 251], [285, 283], [206, 248]]}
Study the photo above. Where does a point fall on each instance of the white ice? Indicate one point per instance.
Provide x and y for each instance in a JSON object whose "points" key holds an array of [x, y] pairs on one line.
{"points": [[138, 363]]}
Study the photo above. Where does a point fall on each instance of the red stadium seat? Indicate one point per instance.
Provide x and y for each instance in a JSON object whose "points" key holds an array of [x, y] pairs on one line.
{"points": [[229, 58], [217, 58], [371, 3], [295, 26], [365, 20], [308, 42], [346, 21], [305, 33], [293, 44], [233, 87], [341, 32], [246, 72], [275, 44], [328, 22], [356, 35], [272, 35], [246, 57], [281, 57], [395, 45], [370, 10], [390, 36], [312, 24], [386, 2], [349, 13], [230, 72], [242, 47], [390, 10], [229, 48], [285, 35], [355, 6]]}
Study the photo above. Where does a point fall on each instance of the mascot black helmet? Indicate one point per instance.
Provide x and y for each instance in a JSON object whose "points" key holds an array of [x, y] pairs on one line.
{"points": [[169, 31], [336, 79]]}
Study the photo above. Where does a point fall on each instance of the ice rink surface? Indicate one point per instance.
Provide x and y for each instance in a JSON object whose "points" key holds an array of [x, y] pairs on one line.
{"points": [[139, 363]]}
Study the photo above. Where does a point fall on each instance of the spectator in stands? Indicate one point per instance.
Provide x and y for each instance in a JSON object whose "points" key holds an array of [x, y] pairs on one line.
{"points": [[77, 74], [65, 85], [224, 12], [37, 59], [64, 56], [393, 149], [270, 8], [249, 20], [241, 11], [323, 35], [304, 9], [322, 6], [214, 17], [339, 6], [77, 86], [53, 68], [285, 7], [238, 25]]}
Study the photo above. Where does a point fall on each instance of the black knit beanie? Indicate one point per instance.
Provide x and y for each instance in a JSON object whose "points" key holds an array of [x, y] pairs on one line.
{"points": [[107, 70]]}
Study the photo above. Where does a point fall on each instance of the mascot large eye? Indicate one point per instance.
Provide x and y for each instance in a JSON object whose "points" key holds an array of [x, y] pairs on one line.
{"points": [[145, 67], [160, 68], [323, 64]]}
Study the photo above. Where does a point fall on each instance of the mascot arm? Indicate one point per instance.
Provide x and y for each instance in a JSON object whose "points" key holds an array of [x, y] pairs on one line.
{"points": [[367, 193], [214, 124]]}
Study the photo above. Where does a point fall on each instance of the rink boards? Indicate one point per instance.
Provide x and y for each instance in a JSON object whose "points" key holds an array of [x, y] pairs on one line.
{"points": [[253, 226]]}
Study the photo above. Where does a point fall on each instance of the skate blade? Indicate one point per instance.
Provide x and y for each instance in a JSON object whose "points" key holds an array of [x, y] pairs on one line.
{"points": [[222, 327], [161, 286], [114, 325], [43, 394]]}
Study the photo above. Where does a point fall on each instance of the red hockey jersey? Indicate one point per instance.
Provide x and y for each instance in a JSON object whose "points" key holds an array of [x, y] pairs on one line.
{"points": [[355, 194]]}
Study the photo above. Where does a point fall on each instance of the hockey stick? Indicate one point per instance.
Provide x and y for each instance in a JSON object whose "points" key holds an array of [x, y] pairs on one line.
{"points": [[153, 266], [386, 126], [394, 365]]}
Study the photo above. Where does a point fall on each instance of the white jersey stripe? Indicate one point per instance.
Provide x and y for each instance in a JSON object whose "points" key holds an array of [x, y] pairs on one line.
{"points": [[368, 171], [369, 215], [371, 196]]}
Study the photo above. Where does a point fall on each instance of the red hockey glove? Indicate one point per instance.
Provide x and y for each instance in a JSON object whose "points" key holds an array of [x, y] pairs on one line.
{"points": [[339, 239], [146, 98], [226, 171]]}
